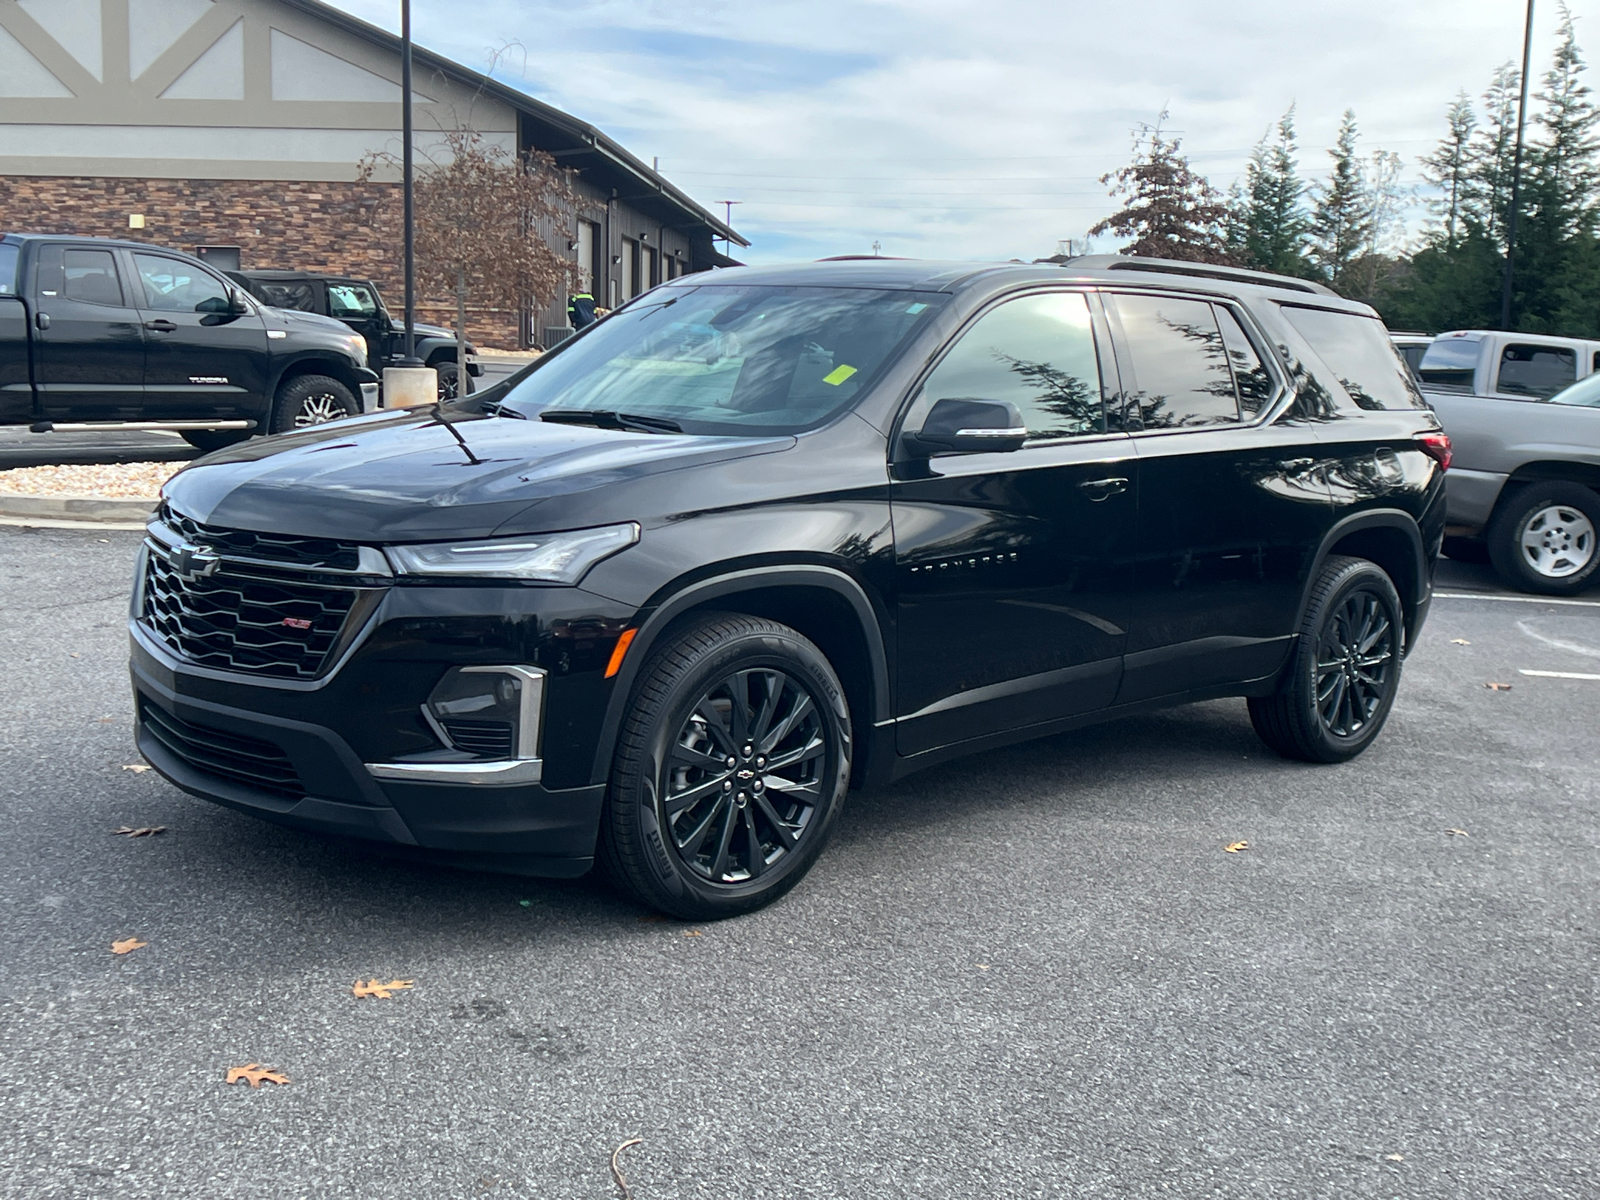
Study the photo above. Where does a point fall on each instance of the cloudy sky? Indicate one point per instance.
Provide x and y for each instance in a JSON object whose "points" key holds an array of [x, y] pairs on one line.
{"points": [[971, 128]]}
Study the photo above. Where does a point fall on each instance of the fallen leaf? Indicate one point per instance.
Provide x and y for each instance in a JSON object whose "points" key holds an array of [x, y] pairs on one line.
{"points": [[1394, 1158], [1459, 642], [254, 1075], [142, 831], [1235, 847], [136, 768], [1458, 833], [73, 656], [380, 991], [983, 966], [1498, 687], [127, 946], [692, 933]]}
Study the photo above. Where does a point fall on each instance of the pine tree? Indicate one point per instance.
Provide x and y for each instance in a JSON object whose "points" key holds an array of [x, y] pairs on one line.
{"points": [[1486, 190], [1171, 212], [1269, 227], [1446, 168], [1341, 216]]}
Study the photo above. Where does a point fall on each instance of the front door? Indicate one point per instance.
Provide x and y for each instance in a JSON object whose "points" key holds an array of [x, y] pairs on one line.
{"points": [[90, 337], [205, 362], [357, 306], [1012, 569], [1230, 510]]}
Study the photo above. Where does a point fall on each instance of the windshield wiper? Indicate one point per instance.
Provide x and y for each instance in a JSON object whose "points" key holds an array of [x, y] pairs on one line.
{"points": [[605, 418]]}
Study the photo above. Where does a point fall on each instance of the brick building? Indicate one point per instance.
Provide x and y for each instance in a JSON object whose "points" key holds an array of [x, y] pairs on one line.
{"points": [[235, 127]]}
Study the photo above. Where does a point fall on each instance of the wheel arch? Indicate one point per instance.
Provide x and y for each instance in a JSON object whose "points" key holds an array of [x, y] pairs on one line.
{"points": [[316, 365], [1392, 539], [1553, 471], [825, 604]]}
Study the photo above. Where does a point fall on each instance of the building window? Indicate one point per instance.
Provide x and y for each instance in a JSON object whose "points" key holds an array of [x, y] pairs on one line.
{"points": [[647, 274], [630, 268]]}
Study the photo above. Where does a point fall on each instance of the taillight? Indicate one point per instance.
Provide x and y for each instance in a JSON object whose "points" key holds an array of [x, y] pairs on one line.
{"points": [[1437, 447]]}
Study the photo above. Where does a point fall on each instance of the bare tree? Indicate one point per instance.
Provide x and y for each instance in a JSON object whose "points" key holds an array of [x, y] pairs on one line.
{"points": [[487, 224]]}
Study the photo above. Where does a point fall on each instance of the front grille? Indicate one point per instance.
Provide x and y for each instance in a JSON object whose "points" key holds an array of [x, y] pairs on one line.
{"points": [[309, 553], [236, 622], [492, 739], [250, 761]]}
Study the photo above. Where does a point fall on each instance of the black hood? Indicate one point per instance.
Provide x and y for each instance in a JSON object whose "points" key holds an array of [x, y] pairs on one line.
{"points": [[422, 331], [394, 477]]}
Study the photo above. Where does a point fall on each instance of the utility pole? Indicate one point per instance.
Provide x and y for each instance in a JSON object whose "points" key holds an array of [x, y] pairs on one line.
{"points": [[727, 206], [410, 344], [1516, 176]]}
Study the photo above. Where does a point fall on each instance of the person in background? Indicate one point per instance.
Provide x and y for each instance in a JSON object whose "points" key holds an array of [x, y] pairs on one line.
{"points": [[580, 310]]}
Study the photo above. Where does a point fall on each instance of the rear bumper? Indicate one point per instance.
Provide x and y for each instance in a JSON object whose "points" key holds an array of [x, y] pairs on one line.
{"points": [[306, 776], [1470, 498]]}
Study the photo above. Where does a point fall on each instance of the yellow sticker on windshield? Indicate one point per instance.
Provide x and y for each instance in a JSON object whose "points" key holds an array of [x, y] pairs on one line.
{"points": [[838, 375]]}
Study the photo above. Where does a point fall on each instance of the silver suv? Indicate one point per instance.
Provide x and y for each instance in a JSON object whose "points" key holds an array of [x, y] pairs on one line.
{"points": [[1523, 415]]}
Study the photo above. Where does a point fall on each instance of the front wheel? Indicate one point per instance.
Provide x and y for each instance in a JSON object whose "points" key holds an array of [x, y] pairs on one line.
{"points": [[1542, 539], [730, 769], [450, 377], [308, 400], [1345, 671]]}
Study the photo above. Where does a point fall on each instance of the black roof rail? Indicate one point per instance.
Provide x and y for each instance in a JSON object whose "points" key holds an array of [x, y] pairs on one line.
{"points": [[1171, 266]]}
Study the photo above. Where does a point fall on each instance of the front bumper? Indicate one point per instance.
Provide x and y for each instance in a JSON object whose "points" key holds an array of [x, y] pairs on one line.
{"points": [[301, 774]]}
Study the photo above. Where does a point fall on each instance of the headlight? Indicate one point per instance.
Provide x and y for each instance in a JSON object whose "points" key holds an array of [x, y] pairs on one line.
{"points": [[542, 557], [358, 348]]}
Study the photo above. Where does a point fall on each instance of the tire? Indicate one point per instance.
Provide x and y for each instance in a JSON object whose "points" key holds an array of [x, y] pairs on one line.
{"points": [[449, 380], [308, 400], [214, 439], [1345, 670], [1466, 550], [751, 830], [1543, 538]]}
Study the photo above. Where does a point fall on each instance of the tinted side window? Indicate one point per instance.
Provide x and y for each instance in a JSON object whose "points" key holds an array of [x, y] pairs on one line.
{"points": [[277, 294], [1037, 352], [91, 277], [1252, 379], [1358, 351], [1180, 363], [9, 253], [173, 286], [1536, 370]]}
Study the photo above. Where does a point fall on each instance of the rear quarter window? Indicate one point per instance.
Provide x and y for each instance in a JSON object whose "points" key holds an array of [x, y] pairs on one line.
{"points": [[9, 253], [1358, 351]]}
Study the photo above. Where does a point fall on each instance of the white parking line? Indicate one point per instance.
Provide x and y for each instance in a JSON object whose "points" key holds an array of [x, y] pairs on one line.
{"points": [[1558, 674], [1514, 599]]}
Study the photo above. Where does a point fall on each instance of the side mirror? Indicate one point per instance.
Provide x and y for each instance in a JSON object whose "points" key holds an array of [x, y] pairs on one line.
{"points": [[236, 302], [968, 427]]}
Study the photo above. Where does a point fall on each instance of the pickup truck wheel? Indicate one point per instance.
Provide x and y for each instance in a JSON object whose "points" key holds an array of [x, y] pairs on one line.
{"points": [[1345, 671], [311, 400], [730, 769], [1542, 539], [450, 380], [214, 439]]}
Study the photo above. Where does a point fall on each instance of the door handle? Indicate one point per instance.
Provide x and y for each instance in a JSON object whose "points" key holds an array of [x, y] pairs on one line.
{"points": [[161, 325], [1100, 489], [42, 320]]}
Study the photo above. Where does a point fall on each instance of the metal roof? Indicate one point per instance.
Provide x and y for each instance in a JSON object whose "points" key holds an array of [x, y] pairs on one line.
{"points": [[581, 138]]}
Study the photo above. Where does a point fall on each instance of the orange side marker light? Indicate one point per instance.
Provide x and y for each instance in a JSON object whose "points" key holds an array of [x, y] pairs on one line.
{"points": [[620, 652]]}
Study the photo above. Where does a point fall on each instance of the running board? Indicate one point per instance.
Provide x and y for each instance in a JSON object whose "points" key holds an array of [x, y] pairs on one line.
{"points": [[136, 426]]}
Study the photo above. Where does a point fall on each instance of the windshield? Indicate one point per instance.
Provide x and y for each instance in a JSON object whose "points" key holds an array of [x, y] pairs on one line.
{"points": [[1450, 364], [748, 361], [1586, 393]]}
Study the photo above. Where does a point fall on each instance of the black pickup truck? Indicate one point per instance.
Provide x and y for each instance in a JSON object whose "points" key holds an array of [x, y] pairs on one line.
{"points": [[102, 334], [359, 304]]}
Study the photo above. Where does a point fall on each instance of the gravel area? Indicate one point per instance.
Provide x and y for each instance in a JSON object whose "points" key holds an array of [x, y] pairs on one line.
{"points": [[107, 481]]}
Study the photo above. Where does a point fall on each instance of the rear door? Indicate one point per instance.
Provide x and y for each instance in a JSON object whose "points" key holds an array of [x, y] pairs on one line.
{"points": [[90, 339], [1012, 569], [1231, 507], [203, 361]]}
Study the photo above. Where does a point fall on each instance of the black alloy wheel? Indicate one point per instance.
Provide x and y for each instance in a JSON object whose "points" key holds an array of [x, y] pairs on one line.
{"points": [[449, 372], [730, 768], [308, 400], [1341, 682]]}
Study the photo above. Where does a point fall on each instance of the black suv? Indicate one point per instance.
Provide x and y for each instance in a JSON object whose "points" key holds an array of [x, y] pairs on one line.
{"points": [[661, 597], [358, 304]]}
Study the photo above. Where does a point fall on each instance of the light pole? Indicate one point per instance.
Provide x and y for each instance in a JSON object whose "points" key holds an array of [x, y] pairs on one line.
{"points": [[1516, 176], [727, 207], [407, 381]]}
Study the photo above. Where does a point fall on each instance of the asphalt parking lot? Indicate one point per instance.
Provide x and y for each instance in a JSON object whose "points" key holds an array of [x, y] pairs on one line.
{"points": [[1034, 973]]}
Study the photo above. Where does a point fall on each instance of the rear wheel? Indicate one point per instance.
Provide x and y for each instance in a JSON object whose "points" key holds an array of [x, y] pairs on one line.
{"points": [[730, 769], [308, 400], [1542, 538], [1346, 667], [450, 378]]}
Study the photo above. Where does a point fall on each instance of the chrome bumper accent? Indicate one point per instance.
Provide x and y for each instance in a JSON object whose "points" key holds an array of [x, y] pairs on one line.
{"points": [[504, 773]]}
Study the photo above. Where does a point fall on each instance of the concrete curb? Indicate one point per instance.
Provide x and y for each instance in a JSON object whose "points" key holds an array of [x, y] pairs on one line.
{"points": [[74, 510]]}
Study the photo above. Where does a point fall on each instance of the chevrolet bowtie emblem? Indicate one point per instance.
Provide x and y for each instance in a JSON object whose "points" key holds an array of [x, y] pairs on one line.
{"points": [[192, 562]]}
